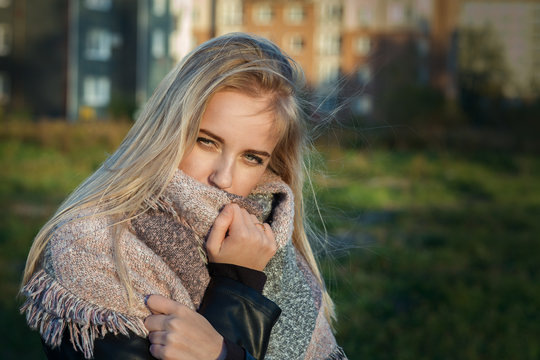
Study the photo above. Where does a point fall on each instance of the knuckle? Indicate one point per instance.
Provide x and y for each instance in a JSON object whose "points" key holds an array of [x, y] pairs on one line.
{"points": [[181, 311], [174, 323], [243, 233], [169, 338], [179, 308]]}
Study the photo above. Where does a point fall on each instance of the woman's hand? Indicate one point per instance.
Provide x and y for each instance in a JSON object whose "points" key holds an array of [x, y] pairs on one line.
{"points": [[177, 332], [248, 243]]}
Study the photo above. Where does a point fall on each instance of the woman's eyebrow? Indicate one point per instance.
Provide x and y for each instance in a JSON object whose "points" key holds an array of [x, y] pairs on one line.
{"points": [[258, 152], [220, 139], [209, 133]]}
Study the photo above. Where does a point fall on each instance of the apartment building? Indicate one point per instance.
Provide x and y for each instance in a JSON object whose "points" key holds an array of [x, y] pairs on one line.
{"points": [[6, 51], [33, 45], [82, 59], [335, 40], [119, 50], [515, 27], [92, 58]]}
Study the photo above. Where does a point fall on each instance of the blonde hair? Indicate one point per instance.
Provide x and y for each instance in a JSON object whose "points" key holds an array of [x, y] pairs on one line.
{"points": [[168, 126]]}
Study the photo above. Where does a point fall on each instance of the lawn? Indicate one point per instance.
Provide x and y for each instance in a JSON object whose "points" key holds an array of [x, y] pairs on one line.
{"points": [[430, 254], [437, 253]]}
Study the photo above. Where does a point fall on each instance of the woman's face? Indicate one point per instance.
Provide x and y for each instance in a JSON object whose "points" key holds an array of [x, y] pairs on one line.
{"points": [[235, 142]]}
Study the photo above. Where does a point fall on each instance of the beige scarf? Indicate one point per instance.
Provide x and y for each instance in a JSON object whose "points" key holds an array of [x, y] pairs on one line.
{"points": [[77, 288]]}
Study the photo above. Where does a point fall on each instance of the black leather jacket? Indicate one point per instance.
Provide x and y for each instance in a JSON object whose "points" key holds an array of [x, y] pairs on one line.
{"points": [[240, 313]]}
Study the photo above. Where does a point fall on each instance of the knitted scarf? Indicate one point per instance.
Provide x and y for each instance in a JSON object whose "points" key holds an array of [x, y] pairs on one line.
{"points": [[77, 288]]}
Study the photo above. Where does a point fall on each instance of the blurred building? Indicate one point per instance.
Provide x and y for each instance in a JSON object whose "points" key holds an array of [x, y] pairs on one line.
{"points": [[513, 27], [82, 59], [342, 44], [33, 53], [6, 51], [118, 52], [95, 58], [100, 45]]}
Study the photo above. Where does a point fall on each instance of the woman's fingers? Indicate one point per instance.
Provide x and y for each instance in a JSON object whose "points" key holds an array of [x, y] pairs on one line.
{"points": [[269, 233], [156, 322], [180, 334], [239, 238], [158, 337], [157, 351], [219, 229], [161, 305]]}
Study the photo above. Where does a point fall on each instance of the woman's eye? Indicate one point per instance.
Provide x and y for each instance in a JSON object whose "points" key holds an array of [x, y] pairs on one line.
{"points": [[206, 142], [253, 159]]}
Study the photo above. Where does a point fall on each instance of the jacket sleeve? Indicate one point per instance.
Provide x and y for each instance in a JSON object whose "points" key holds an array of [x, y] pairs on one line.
{"points": [[238, 312], [110, 346]]}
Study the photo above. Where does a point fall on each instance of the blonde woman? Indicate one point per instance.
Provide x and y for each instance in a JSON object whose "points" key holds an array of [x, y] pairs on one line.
{"points": [[190, 240]]}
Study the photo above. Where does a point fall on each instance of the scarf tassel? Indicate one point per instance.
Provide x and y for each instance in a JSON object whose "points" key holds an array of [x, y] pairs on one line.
{"points": [[50, 308], [337, 354]]}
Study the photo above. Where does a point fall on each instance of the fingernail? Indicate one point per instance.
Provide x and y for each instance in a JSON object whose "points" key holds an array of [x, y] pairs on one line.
{"points": [[146, 300]]}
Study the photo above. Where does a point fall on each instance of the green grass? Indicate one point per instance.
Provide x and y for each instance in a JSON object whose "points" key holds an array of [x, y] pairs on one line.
{"points": [[41, 164], [442, 254], [435, 254]]}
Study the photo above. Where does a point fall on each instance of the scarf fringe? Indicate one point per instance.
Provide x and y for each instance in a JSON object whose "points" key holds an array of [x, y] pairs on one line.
{"points": [[337, 354], [50, 308]]}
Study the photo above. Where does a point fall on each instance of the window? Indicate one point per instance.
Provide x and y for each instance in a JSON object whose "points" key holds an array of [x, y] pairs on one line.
{"points": [[4, 88], [196, 15], [5, 3], [263, 14], [364, 74], [423, 75], [296, 44], [232, 13], [422, 46], [365, 17], [328, 72], [98, 45], [295, 14], [331, 13], [96, 90], [363, 105], [159, 7], [396, 14], [329, 44], [362, 45], [102, 5], [5, 39], [158, 43], [424, 7]]}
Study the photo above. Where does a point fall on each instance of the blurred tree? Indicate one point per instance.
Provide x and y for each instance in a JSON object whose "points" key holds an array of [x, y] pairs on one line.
{"points": [[483, 74], [403, 94]]}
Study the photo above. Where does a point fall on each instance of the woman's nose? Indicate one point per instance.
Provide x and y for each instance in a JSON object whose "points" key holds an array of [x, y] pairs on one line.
{"points": [[221, 177]]}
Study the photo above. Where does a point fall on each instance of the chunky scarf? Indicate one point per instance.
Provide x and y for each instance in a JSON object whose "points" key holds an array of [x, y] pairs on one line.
{"points": [[77, 288]]}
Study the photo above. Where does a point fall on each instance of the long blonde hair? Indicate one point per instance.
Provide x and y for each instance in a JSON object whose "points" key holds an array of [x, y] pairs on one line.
{"points": [[168, 126]]}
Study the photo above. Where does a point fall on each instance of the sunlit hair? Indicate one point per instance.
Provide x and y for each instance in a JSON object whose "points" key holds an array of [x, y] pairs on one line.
{"points": [[167, 129]]}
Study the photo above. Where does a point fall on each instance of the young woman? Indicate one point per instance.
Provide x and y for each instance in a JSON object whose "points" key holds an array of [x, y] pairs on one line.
{"points": [[190, 240]]}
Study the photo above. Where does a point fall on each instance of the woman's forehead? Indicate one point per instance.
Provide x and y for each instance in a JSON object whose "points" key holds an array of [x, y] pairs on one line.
{"points": [[234, 116]]}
